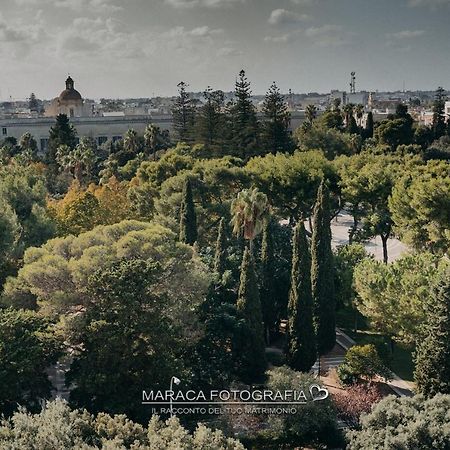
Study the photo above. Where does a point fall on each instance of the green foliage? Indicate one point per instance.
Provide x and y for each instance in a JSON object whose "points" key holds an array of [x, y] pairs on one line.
{"points": [[439, 113], [28, 346], [394, 132], [346, 258], [183, 113], [251, 348], [275, 128], [59, 427], [314, 424], [61, 133], [22, 190], [322, 273], [267, 285], [432, 358], [408, 423], [244, 123], [291, 181], [57, 273], [209, 122], [394, 297], [188, 217], [220, 256], [420, 205], [249, 212], [331, 141], [129, 340], [301, 349], [362, 362]]}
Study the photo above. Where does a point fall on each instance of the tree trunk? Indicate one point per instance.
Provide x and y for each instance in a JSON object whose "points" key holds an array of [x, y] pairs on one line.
{"points": [[384, 240]]}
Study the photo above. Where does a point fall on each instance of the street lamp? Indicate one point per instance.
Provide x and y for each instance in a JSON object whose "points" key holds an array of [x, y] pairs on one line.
{"points": [[177, 381]]}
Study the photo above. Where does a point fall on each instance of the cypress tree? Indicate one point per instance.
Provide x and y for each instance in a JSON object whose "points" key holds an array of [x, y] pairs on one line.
{"points": [[267, 292], [368, 132], [322, 274], [188, 218], [251, 348], [220, 256], [61, 133], [432, 357], [439, 113], [302, 352]]}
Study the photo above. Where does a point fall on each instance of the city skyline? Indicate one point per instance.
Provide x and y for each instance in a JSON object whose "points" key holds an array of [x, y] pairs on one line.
{"points": [[143, 49]]}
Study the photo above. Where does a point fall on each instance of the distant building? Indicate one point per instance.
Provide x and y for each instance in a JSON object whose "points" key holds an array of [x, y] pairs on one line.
{"points": [[354, 98], [70, 102], [447, 110]]}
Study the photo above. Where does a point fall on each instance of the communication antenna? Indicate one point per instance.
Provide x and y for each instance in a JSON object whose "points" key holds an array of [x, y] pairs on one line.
{"points": [[353, 83]]}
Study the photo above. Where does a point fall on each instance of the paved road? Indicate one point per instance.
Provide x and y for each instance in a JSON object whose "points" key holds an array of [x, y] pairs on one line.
{"points": [[340, 227]]}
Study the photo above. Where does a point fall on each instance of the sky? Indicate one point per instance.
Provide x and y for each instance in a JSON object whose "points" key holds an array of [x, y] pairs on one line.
{"points": [[144, 48]]}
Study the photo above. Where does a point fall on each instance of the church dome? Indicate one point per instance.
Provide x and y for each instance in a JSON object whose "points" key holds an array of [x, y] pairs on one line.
{"points": [[70, 93]]}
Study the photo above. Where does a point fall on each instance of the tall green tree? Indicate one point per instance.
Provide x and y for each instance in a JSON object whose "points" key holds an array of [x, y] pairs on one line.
{"points": [[322, 273], [267, 288], [188, 217], [155, 139], [210, 119], [183, 113], [302, 350], [438, 125], [28, 346], [245, 126], [220, 255], [432, 357], [249, 210], [251, 346], [61, 133], [275, 129], [368, 131]]}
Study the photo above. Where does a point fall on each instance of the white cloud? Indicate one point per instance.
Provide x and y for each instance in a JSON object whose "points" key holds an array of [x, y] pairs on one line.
{"points": [[285, 17], [93, 6], [329, 35], [203, 3], [405, 34], [430, 3], [282, 39], [228, 52]]}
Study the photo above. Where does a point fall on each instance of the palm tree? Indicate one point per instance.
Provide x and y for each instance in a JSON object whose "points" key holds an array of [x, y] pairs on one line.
{"points": [[359, 109], [311, 114], [79, 161], [131, 142], [155, 139], [249, 211]]}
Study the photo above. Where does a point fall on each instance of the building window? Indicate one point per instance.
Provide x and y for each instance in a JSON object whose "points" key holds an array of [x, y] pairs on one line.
{"points": [[101, 140], [116, 138], [72, 112], [4, 131]]}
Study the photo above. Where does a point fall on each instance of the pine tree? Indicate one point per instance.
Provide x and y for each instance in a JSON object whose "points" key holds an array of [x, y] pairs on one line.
{"points": [[368, 132], [432, 357], [322, 273], [244, 120], [183, 113], [302, 352], [276, 136], [251, 346], [210, 120], [220, 256], [267, 292], [188, 218], [439, 113], [62, 133]]}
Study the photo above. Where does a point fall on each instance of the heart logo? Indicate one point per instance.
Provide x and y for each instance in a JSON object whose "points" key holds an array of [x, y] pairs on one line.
{"points": [[318, 392]]}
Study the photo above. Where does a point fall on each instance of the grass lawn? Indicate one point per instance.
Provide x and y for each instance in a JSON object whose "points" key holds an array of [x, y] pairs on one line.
{"points": [[399, 362]]}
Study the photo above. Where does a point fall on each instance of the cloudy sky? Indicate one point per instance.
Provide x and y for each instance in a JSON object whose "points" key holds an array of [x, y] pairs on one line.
{"points": [[120, 48]]}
